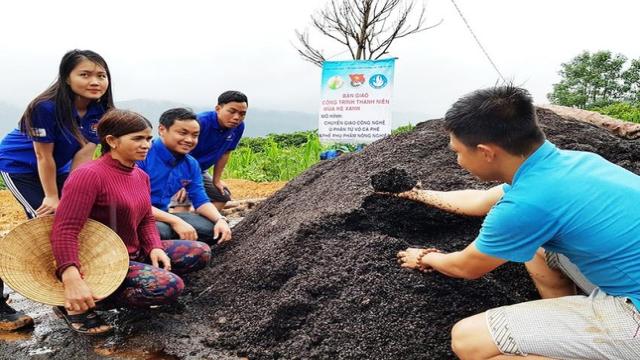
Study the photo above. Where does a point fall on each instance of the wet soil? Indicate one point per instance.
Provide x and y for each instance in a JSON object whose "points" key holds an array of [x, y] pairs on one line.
{"points": [[311, 273], [392, 180]]}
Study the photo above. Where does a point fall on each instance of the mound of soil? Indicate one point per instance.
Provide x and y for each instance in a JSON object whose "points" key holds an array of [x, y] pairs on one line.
{"points": [[312, 274], [393, 180]]}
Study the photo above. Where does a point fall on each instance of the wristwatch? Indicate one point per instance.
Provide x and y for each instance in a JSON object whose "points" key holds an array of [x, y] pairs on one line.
{"points": [[222, 218]]}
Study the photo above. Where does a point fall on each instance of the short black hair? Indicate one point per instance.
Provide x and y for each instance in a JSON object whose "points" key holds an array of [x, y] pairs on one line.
{"points": [[502, 115], [169, 117], [232, 96]]}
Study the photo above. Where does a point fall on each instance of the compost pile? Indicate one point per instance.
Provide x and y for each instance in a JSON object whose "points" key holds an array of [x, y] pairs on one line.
{"points": [[311, 273]]}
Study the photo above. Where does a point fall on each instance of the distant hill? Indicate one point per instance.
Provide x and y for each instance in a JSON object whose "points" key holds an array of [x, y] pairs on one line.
{"points": [[9, 117], [259, 122]]}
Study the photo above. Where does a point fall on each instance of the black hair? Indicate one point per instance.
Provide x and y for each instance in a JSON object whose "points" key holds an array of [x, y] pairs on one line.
{"points": [[502, 115], [60, 92], [169, 117], [118, 123], [232, 96]]}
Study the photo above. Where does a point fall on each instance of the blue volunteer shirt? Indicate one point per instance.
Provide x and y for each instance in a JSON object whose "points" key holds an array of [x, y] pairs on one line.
{"points": [[577, 204], [214, 141], [16, 149], [169, 173]]}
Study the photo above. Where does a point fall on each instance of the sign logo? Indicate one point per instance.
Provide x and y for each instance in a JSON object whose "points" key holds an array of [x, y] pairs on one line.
{"points": [[38, 132], [335, 82], [378, 81], [356, 79]]}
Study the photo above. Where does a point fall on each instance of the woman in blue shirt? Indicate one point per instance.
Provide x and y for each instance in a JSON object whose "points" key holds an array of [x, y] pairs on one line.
{"points": [[57, 133]]}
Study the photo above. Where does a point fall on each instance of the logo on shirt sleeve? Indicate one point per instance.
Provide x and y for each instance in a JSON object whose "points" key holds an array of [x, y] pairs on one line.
{"points": [[185, 182], [38, 132]]}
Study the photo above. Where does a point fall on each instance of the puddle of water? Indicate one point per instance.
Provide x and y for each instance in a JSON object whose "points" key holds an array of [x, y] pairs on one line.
{"points": [[40, 351], [134, 354], [16, 335]]}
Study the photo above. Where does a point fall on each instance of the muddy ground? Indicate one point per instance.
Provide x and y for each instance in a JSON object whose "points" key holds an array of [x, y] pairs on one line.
{"points": [[311, 273], [12, 214]]}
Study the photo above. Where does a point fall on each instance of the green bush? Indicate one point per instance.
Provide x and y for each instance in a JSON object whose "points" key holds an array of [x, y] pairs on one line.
{"points": [[620, 110], [402, 129], [273, 161], [259, 144]]}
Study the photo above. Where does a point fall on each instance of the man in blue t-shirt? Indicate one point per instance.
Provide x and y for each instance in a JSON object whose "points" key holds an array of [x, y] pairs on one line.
{"points": [[568, 215], [220, 132], [170, 168]]}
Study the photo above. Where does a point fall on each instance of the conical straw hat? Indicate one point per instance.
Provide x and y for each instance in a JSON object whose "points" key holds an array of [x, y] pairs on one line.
{"points": [[28, 267]]}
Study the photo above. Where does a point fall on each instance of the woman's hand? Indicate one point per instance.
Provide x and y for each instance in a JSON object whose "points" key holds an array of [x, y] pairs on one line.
{"points": [[158, 256], [49, 206], [78, 297], [222, 231]]}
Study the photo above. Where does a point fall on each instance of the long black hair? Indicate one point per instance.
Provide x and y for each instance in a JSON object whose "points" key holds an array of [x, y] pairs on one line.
{"points": [[60, 92]]}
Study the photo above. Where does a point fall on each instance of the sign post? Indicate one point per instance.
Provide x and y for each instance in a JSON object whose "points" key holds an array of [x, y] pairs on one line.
{"points": [[355, 105]]}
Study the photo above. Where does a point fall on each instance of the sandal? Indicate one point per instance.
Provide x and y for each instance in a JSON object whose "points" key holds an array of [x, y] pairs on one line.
{"points": [[88, 320]]}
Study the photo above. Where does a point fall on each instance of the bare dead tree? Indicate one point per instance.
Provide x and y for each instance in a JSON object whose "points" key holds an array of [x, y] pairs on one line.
{"points": [[366, 27]]}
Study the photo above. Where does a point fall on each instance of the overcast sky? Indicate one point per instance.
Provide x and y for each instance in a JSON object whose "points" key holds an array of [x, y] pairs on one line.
{"points": [[190, 51]]}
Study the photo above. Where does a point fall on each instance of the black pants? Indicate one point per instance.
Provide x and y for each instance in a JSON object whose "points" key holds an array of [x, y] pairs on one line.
{"points": [[27, 189], [203, 226]]}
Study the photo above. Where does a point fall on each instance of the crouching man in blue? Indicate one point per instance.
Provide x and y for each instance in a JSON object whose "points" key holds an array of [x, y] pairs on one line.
{"points": [[170, 168], [570, 216], [220, 134]]}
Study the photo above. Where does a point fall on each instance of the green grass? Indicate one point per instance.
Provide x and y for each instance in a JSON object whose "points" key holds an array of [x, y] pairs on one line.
{"points": [[402, 129], [281, 157], [270, 159], [623, 111], [2, 185]]}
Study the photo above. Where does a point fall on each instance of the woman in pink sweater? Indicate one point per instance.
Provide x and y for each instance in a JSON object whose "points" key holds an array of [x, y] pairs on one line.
{"points": [[115, 192]]}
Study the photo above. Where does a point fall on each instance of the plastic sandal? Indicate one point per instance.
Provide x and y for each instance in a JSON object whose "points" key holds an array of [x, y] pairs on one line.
{"points": [[88, 320]]}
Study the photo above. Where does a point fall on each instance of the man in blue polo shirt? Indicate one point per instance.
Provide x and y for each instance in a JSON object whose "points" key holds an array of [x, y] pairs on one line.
{"points": [[220, 132], [170, 168], [568, 215]]}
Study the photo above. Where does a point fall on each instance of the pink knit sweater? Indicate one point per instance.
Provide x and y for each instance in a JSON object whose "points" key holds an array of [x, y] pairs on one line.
{"points": [[111, 193]]}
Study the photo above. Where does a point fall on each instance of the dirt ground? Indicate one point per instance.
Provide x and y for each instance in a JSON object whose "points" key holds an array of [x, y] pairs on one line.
{"points": [[311, 272], [12, 214]]}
